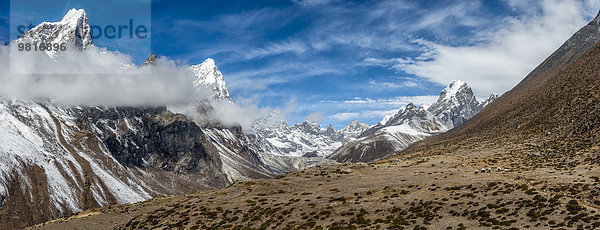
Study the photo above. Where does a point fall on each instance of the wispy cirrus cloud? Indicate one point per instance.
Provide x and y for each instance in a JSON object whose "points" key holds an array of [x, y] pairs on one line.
{"points": [[311, 3], [294, 47], [396, 101], [367, 109], [391, 85], [277, 72], [362, 115], [256, 20], [502, 57]]}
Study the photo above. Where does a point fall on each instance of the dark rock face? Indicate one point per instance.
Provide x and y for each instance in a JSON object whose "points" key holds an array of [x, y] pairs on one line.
{"points": [[96, 156], [153, 138], [150, 60], [311, 154], [377, 147], [456, 104], [309, 127]]}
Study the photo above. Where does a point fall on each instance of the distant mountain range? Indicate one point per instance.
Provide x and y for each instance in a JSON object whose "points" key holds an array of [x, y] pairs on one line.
{"points": [[455, 105], [357, 142], [305, 139]]}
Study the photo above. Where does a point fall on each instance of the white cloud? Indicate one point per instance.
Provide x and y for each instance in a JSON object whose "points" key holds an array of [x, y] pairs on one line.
{"points": [[345, 116], [380, 86], [367, 109], [506, 55], [311, 3], [397, 101], [279, 71], [233, 114], [370, 114], [274, 49], [460, 12], [96, 77], [315, 117]]}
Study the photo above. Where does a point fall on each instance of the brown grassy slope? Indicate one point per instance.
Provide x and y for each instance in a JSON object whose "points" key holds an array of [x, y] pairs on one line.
{"points": [[555, 106], [436, 192]]}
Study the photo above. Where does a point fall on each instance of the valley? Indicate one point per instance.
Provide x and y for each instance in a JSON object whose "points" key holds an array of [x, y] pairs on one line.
{"points": [[438, 191], [526, 159]]}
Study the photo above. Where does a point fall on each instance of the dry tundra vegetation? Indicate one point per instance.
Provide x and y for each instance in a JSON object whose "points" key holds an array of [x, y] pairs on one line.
{"points": [[545, 132], [417, 191]]}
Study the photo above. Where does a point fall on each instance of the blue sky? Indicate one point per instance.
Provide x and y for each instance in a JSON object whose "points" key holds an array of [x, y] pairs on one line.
{"points": [[336, 61]]}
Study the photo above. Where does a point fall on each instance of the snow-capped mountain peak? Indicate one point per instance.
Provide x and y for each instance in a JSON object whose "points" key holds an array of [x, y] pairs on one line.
{"points": [[354, 129], [276, 117], [274, 121], [386, 118], [455, 89], [208, 75], [411, 106], [73, 29], [416, 117], [74, 16], [275, 137], [309, 127], [456, 104], [489, 100], [354, 126], [330, 131]]}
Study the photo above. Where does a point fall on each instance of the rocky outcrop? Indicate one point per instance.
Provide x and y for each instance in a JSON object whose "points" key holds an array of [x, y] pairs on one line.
{"points": [[153, 138], [151, 60], [456, 104]]}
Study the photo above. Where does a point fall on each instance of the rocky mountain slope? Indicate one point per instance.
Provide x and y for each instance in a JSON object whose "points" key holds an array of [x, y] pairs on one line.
{"points": [[307, 139], [290, 148], [210, 77], [58, 160], [455, 105]]}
